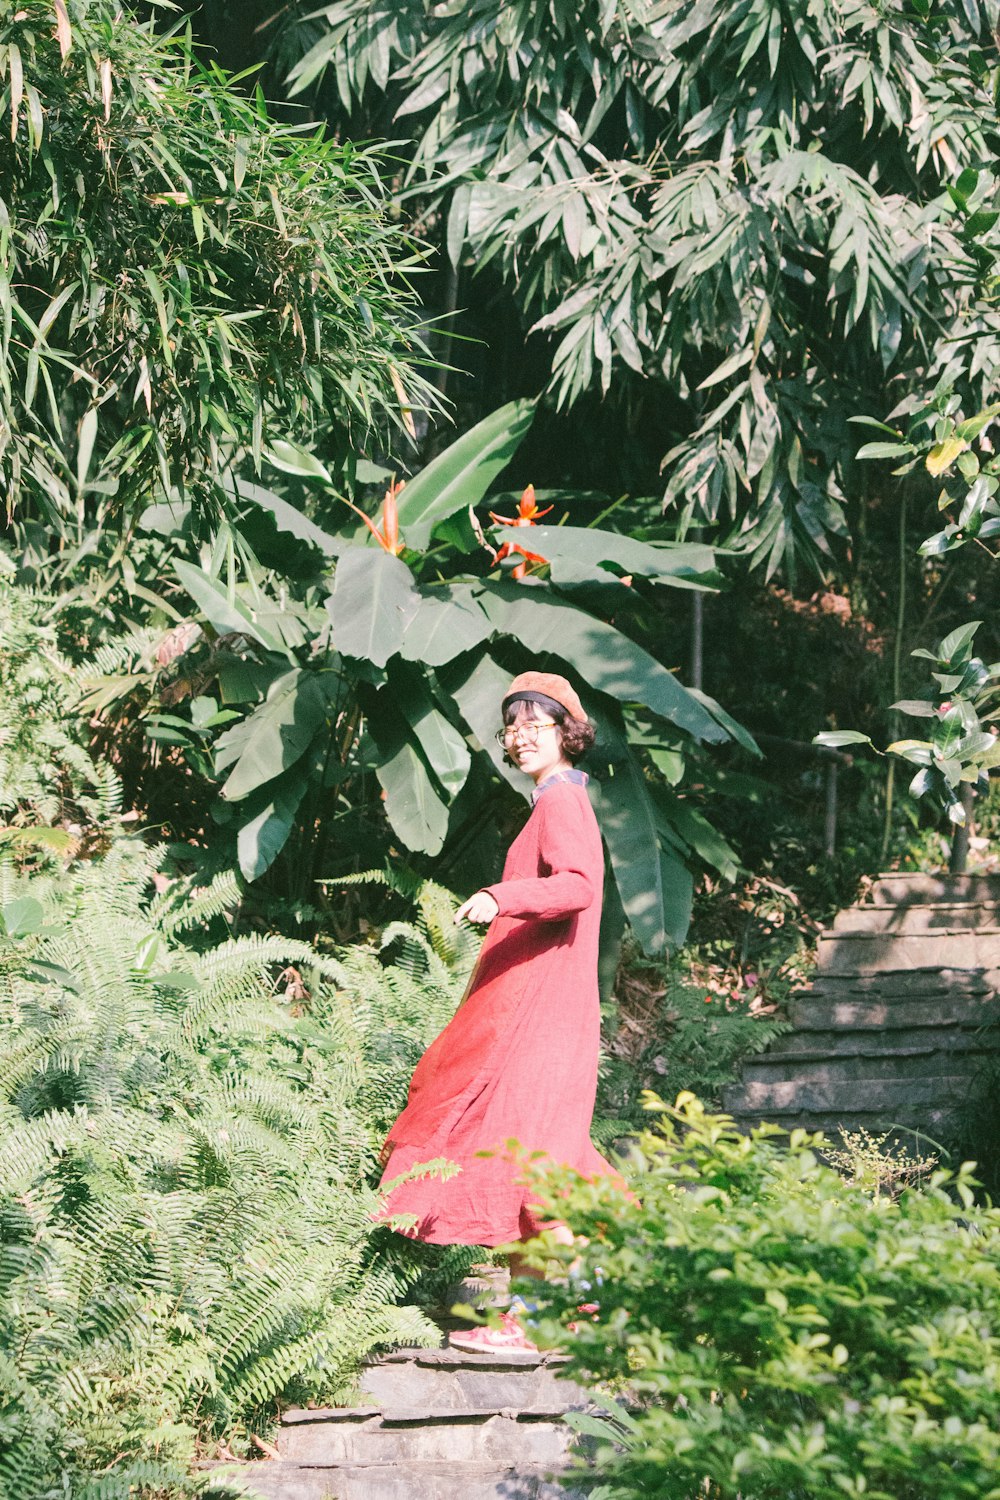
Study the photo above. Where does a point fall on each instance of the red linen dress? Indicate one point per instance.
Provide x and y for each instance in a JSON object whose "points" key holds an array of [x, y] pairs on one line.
{"points": [[518, 1061]]}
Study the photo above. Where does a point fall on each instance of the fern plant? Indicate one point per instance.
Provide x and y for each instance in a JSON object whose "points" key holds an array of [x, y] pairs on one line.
{"points": [[188, 1147], [50, 787]]}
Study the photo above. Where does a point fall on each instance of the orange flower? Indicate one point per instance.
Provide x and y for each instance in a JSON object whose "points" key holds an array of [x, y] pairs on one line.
{"points": [[527, 515], [388, 536]]}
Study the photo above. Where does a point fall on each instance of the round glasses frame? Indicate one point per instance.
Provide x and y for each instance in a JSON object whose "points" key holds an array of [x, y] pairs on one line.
{"points": [[528, 732]]}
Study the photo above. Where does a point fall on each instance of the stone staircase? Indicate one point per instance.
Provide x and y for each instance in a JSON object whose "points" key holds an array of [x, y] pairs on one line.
{"points": [[435, 1424], [901, 1020]]}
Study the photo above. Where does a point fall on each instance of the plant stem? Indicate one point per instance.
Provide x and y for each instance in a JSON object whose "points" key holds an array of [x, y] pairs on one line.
{"points": [[897, 670]]}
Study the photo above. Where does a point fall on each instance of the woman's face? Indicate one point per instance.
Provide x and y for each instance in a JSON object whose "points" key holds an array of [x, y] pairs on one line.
{"points": [[540, 759]]}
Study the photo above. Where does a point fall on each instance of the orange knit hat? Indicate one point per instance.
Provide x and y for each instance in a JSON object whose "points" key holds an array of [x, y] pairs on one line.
{"points": [[550, 685]]}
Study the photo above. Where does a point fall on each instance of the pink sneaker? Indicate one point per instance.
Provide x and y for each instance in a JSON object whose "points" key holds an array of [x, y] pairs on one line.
{"points": [[510, 1335]]}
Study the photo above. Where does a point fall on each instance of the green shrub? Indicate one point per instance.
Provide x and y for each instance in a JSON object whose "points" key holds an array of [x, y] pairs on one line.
{"points": [[182, 279], [187, 1143], [49, 785], [686, 1025], [786, 1335]]}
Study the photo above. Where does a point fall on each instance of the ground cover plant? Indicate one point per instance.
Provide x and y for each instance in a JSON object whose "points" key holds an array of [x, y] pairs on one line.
{"points": [[784, 1332], [188, 1134]]}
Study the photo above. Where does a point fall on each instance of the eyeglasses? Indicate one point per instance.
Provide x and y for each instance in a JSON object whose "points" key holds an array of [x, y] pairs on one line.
{"points": [[527, 732]]}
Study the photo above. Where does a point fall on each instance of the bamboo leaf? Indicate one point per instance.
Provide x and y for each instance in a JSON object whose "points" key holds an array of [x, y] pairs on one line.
{"points": [[226, 615]]}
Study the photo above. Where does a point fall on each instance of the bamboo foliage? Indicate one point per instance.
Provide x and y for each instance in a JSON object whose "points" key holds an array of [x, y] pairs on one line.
{"points": [[180, 277], [742, 202]]}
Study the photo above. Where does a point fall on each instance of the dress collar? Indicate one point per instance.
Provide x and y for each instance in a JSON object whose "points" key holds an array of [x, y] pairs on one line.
{"points": [[578, 778]]}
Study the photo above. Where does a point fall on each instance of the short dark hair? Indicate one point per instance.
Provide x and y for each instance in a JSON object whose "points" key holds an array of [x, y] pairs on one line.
{"points": [[575, 735]]}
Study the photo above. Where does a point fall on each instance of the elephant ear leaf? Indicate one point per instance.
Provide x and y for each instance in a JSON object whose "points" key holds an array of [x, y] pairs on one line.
{"points": [[262, 839], [462, 474], [274, 736], [373, 601], [413, 805]]}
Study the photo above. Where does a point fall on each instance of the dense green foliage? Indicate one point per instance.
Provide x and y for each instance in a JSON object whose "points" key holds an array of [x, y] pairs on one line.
{"points": [[318, 657], [182, 278], [187, 1136], [785, 1333], [735, 214]]}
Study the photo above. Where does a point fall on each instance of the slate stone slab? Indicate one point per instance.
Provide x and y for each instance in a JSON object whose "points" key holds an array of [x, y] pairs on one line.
{"points": [[909, 889], [466, 1437], [899, 1099], [878, 952], [918, 918], [484, 1481]]}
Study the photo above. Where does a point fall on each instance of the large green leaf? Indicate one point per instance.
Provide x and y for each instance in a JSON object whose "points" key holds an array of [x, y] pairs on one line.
{"points": [[461, 475], [439, 740], [575, 552], [416, 812], [374, 599], [287, 518], [226, 613], [275, 735], [262, 839], [653, 884], [450, 620], [479, 696], [604, 658]]}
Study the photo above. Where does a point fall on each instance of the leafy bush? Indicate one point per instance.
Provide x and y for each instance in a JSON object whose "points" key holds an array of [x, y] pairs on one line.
{"points": [[786, 1334], [49, 785], [182, 278], [186, 1147], [686, 1025]]}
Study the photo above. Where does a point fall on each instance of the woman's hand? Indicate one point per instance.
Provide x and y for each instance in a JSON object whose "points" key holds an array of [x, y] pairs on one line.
{"points": [[480, 908]]}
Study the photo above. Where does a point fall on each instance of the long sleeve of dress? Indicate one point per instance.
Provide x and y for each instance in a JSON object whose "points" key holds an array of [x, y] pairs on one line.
{"points": [[564, 886]]}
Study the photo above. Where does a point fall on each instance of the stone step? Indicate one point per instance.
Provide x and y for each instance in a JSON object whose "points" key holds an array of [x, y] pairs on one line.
{"points": [[906, 983], [453, 1380], [895, 889], [884, 1041], [877, 1013], [918, 1135], [918, 918], [849, 952], [272, 1480], [902, 1062], [475, 1436], [894, 1099]]}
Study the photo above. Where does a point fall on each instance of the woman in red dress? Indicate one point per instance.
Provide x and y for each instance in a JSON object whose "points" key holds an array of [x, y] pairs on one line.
{"points": [[518, 1061]]}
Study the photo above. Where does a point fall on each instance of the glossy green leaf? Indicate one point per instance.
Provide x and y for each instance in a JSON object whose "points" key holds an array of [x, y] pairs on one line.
{"points": [[287, 518], [439, 740], [448, 621], [835, 739], [462, 474], [274, 736], [292, 459], [22, 916], [373, 602], [682, 564], [600, 655], [417, 813], [479, 696], [261, 840], [627, 820]]}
